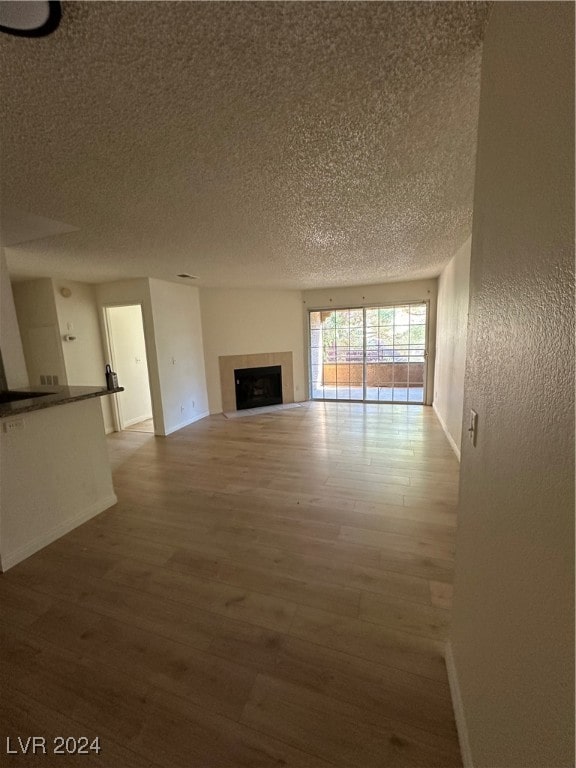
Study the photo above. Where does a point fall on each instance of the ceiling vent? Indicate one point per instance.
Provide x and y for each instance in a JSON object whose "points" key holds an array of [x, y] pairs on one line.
{"points": [[187, 276]]}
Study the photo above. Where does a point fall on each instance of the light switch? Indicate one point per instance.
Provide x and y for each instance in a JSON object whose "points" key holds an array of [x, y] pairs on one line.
{"points": [[473, 427]]}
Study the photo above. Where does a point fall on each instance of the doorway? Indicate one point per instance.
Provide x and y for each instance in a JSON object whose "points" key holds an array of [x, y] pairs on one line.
{"points": [[127, 345], [369, 354]]}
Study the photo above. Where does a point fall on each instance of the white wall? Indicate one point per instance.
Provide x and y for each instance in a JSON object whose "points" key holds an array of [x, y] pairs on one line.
{"points": [[10, 340], [178, 333], [55, 475], [173, 331], [129, 361], [512, 636], [39, 329], [383, 293], [451, 330], [245, 322], [83, 358]]}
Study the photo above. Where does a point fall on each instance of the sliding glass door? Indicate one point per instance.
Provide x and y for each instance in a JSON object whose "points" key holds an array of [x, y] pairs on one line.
{"points": [[375, 354]]}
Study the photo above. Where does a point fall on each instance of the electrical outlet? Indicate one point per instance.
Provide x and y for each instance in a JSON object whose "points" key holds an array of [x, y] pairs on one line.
{"points": [[14, 426]]}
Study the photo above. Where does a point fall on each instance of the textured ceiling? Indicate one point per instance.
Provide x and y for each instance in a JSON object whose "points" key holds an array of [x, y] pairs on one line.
{"points": [[253, 144]]}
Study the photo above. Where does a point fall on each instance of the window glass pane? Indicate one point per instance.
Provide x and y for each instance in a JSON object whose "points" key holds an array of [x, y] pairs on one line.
{"points": [[342, 338], [386, 316], [315, 320], [401, 355], [385, 393], [357, 338], [401, 335], [371, 317], [386, 336], [343, 393], [342, 318], [329, 352], [417, 334], [356, 318], [416, 374], [328, 337], [402, 315], [328, 319], [418, 313], [315, 338]]}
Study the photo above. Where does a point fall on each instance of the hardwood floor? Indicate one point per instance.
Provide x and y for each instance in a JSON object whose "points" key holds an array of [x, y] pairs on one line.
{"points": [[269, 591], [142, 426]]}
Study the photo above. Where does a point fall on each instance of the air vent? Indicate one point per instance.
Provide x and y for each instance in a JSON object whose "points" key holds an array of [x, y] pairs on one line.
{"points": [[187, 276]]}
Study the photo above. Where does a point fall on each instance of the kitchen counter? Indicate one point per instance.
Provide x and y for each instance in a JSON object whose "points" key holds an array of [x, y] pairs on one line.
{"points": [[54, 396]]}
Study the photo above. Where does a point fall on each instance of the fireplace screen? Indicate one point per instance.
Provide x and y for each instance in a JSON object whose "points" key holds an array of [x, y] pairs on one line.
{"points": [[256, 387]]}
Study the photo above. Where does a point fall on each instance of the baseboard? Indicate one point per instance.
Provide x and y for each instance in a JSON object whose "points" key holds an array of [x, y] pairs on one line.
{"points": [[458, 708], [12, 558], [137, 420], [448, 435], [186, 423]]}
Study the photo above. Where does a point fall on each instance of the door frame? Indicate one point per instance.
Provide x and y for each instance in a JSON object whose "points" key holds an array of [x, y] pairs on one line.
{"points": [[117, 415]]}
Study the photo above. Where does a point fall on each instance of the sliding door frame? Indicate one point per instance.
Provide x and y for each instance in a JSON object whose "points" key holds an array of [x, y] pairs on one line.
{"points": [[425, 302]]}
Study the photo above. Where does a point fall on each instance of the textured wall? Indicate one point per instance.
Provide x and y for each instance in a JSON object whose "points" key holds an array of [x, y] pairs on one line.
{"points": [[180, 351], [244, 322], [10, 340], [513, 621], [451, 329], [83, 358], [39, 329]]}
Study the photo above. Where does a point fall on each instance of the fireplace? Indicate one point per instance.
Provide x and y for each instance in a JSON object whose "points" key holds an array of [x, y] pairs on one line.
{"points": [[231, 365], [256, 387]]}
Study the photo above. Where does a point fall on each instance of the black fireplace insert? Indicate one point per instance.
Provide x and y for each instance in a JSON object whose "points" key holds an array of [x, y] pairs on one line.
{"points": [[256, 387]]}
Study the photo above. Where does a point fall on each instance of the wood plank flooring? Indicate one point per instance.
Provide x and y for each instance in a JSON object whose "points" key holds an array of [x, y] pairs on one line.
{"points": [[268, 591]]}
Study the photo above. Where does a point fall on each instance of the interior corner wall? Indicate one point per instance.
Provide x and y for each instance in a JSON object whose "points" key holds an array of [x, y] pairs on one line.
{"points": [[374, 295], [10, 338], [512, 631], [451, 330], [251, 321], [84, 356], [38, 323], [180, 353]]}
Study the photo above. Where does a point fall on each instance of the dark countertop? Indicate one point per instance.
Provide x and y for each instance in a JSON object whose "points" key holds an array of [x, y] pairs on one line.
{"points": [[54, 396]]}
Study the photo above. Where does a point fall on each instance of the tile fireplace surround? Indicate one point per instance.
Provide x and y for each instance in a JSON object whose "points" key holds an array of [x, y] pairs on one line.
{"points": [[230, 363]]}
